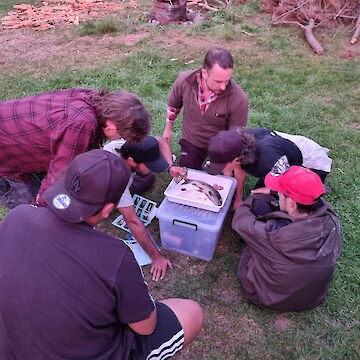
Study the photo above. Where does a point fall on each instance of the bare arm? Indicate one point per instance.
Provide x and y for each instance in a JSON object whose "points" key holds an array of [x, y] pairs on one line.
{"points": [[240, 176], [147, 326], [171, 115], [165, 149], [167, 133], [159, 263]]}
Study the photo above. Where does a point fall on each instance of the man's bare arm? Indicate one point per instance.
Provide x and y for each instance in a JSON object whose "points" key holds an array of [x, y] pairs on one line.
{"points": [[159, 263]]}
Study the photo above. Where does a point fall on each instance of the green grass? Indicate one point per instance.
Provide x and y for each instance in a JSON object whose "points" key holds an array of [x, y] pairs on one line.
{"points": [[291, 90], [98, 28]]}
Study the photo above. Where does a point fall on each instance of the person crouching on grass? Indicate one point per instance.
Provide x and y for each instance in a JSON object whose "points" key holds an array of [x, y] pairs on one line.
{"points": [[291, 253], [70, 291]]}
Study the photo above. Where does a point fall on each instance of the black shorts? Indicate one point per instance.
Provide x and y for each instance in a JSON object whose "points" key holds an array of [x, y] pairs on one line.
{"points": [[166, 340]]}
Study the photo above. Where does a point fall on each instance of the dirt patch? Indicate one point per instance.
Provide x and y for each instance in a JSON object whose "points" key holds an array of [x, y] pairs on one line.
{"points": [[42, 53], [355, 126], [283, 323], [61, 49]]}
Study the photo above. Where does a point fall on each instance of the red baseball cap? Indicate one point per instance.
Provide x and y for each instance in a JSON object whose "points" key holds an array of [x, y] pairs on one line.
{"points": [[299, 183]]}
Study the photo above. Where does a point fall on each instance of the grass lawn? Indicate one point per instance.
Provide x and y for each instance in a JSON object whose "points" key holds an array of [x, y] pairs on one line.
{"points": [[290, 90]]}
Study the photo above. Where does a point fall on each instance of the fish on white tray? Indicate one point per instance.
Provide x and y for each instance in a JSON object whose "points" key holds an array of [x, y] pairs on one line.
{"points": [[197, 190]]}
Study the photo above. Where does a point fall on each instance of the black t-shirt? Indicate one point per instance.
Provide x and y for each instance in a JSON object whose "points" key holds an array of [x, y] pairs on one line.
{"points": [[269, 149], [67, 290]]}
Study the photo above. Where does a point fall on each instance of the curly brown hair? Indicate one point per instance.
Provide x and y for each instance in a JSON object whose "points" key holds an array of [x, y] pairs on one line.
{"points": [[125, 110], [247, 147]]}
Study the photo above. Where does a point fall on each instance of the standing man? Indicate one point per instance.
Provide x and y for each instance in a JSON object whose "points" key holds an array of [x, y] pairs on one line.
{"points": [[41, 134], [212, 102], [291, 253], [72, 292], [256, 151], [150, 156]]}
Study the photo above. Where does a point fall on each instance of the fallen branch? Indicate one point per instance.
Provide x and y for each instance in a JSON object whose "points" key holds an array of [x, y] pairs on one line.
{"points": [[273, 20], [309, 35], [311, 39], [341, 10], [206, 6], [356, 34]]}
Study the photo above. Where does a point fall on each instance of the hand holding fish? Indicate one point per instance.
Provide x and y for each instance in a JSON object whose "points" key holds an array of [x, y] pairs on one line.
{"points": [[159, 266], [178, 173]]}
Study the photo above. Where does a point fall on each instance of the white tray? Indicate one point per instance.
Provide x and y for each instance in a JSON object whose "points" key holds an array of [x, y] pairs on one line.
{"points": [[173, 191]]}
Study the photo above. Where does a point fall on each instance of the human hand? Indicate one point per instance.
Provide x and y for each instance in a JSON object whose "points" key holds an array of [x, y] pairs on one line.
{"points": [[228, 173], [159, 266], [178, 173], [262, 190]]}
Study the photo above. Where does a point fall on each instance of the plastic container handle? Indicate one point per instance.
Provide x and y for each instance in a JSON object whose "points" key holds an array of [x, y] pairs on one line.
{"points": [[185, 224]]}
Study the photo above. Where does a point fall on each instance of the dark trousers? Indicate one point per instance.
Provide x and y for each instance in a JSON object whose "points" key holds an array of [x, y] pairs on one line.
{"points": [[14, 193], [142, 183], [191, 156]]}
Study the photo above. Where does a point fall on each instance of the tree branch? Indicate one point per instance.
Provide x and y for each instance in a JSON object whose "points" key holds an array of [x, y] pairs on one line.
{"points": [[356, 34], [310, 38], [289, 12]]}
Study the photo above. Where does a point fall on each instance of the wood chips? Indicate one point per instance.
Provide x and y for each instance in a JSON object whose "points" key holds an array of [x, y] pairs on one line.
{"points": [[54, 12]]}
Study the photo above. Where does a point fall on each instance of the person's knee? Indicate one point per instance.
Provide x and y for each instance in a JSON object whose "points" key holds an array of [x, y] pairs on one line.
{"points": [[14, 193], [142, 183], [189, 314]]}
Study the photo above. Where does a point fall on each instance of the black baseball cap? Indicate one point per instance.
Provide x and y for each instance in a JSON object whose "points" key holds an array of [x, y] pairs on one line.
{"points": [[223, 148], [92, 180], [146, 152]]}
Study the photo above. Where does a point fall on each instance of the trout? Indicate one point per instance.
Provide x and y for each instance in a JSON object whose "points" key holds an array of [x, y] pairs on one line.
{"points": [[207, 189]]}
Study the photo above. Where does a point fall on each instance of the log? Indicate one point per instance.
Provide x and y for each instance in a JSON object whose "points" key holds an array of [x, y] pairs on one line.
{"points": [[311, 39], [356, 34]]}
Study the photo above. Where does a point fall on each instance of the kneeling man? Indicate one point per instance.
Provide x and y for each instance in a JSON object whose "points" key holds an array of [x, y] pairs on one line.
{"points": [[70, 291], [290, 254]]}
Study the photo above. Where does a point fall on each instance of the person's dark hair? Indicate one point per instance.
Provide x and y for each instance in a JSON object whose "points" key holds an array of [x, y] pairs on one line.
{"points": [[110, 201], [247, 147], [125, 109], [305, 209], [219, 56]]}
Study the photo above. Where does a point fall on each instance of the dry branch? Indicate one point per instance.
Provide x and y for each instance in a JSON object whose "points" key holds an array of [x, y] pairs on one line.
{"points": [[308, 14], [274, 20], [356, 34], [311, 39]]}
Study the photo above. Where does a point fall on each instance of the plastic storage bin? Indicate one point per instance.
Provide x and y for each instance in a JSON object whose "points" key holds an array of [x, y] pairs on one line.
{"points": [[192, 231], [173, 191]]}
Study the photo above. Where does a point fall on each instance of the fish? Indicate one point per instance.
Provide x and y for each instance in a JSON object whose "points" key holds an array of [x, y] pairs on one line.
{"points": [[205, 188]]}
